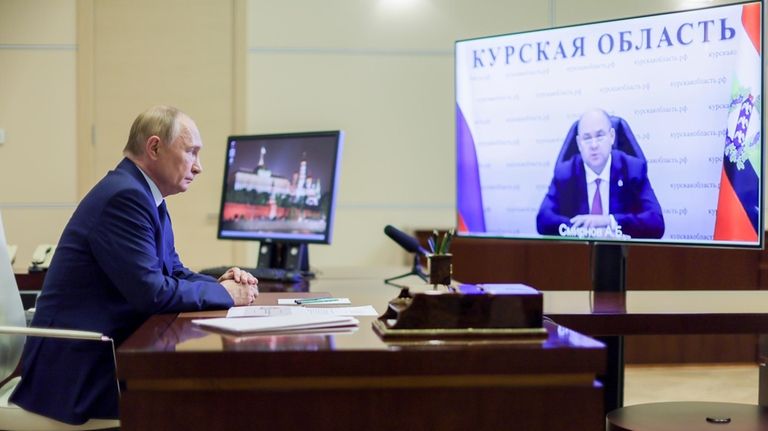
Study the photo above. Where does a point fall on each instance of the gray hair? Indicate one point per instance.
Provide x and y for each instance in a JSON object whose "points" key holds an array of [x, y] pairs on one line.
{"points": [[161, 121]]}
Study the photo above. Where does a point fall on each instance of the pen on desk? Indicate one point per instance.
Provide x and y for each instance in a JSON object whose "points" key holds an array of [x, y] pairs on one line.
{"points": [[314, 300]]}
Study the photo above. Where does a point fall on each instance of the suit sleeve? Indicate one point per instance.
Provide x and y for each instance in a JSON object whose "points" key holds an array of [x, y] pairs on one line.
{"points": [[549, 218], [643, 217], [559, 204], [123, 242]]}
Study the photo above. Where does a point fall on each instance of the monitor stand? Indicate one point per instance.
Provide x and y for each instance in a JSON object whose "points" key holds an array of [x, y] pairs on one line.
{"points": [[290, 256], [609, 271], [609, 267]]}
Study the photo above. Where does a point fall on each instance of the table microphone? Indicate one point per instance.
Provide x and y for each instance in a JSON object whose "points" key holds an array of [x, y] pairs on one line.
{"points": [[409, 243]]}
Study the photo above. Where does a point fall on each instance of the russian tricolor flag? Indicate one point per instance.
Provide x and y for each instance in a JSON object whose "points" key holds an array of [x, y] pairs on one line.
{"points": [[469, 199]]}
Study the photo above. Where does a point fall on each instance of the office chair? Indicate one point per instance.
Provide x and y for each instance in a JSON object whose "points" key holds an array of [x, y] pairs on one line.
{"points": [[625, 141], [13, 333]]}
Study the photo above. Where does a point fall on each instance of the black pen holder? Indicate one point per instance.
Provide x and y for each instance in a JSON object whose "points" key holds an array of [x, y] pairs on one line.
{"points": [[440, 269]]}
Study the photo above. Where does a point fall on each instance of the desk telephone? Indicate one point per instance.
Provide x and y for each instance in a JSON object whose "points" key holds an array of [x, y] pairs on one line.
{"points": [[41, 258]]}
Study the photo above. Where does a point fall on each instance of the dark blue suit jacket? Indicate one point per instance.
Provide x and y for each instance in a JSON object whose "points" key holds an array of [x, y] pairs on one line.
{"points": [[114, 266], [632, 201]]}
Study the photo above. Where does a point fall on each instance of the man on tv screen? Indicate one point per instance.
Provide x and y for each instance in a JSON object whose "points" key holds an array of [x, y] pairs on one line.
{"points": [[601, 192]]}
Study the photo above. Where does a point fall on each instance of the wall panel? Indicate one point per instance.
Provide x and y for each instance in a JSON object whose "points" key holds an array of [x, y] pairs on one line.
{"points": [[177, 53], [38, 169], [383, 73]]}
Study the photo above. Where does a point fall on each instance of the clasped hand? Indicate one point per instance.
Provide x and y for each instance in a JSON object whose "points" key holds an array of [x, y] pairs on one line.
{"points": [[590, 220], [241, 285]]}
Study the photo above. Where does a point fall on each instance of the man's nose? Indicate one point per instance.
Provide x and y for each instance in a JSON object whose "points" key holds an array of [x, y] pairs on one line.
{"points": [[197, 167]]}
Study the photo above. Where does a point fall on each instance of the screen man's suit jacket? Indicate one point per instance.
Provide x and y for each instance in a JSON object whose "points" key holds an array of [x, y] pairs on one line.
{"points": [[632, 201], [114, 266]]}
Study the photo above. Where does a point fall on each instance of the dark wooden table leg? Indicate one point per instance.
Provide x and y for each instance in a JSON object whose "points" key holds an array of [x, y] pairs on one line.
{"points": [[613, 380], [762, 355]]}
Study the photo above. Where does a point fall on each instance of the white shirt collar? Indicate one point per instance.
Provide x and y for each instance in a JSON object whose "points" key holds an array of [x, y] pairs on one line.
{"points": [[605, 175], [153, 188]]}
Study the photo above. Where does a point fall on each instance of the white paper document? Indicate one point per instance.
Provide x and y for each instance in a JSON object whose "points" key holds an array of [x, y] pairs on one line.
{"points": [[324, 301], [365, 310], [259, 311], [287, 310], [292, 323]]}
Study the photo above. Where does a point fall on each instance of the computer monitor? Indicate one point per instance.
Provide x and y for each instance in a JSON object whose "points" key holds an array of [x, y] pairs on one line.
{"points": [[675, 101], [280, 189]]}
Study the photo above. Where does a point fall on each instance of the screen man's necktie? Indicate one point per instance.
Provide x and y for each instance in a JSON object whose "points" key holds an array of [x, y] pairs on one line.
{"points": [[597, 202]]}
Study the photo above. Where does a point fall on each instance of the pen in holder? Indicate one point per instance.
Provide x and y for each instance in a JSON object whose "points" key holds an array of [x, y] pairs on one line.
{"points": [[440, 269], [439, 262]]}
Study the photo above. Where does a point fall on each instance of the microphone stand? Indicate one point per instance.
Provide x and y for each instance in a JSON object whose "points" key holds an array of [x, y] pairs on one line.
{"points": [[415, 270]]}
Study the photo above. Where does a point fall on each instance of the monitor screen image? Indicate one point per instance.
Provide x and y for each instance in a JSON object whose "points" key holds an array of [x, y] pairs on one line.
{"points": [[280, 187], [644, 129]]}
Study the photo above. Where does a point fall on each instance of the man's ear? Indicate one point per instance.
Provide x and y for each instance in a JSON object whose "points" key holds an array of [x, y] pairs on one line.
{"points": [[153, 147], [613, 136]]}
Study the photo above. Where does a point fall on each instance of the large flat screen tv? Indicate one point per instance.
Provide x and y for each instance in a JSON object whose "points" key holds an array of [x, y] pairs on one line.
{"points": [[644, 129]]}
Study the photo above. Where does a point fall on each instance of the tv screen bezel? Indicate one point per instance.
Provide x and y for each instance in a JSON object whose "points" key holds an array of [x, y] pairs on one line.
{"points": [[760, 244]]}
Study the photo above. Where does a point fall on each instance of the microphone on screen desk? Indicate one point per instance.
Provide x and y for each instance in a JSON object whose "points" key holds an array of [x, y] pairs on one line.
{"points": [[411, 245]]}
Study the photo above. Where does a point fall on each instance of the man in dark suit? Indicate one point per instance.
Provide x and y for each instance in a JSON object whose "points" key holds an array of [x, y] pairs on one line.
{"points": [[601, 192], [115, 265]]}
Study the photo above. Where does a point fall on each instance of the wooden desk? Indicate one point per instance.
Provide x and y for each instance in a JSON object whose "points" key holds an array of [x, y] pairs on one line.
{"points": [[659, 312], [29, 284], [555, 265], [561, 265], [30, 280], [178, 376], [651, 312]]}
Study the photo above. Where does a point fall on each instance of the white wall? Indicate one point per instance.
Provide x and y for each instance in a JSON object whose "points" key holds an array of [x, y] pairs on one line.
{"points": [[174, 52], [38, 169], [383, 72]]}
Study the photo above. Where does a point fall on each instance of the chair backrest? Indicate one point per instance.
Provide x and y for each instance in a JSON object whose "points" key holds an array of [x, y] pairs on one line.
{"points": [[11, 312], [625, 140]]}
